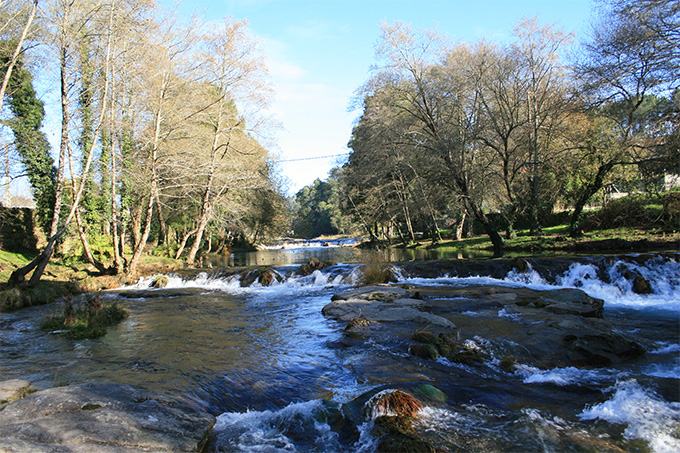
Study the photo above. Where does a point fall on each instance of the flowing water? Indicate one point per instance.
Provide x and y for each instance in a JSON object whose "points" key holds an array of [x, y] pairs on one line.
{"points": [[281, 377]]}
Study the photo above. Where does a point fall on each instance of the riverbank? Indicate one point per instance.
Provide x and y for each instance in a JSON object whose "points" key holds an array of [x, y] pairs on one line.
{"points": [[556, 241], [60, 281]]}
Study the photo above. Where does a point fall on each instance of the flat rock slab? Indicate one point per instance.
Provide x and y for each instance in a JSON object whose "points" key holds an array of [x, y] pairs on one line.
{"points": [[13, 390], [381, 304], [101, 417]]}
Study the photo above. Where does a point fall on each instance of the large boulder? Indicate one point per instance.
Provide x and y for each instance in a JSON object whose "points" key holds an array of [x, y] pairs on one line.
{"points": [[104, 418]]}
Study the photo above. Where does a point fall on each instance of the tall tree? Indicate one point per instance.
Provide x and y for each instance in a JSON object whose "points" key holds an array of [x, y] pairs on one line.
{"points": [[66, 19], [233, 67], [30, 142], [632, 52]]}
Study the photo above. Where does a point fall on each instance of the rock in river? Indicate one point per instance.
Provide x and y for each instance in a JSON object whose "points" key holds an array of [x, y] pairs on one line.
{"points": [[550, 328], [104, 418]]}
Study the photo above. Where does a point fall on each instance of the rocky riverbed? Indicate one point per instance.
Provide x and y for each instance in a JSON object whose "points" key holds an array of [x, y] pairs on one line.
{"points": [[496, 365], [553, 328]]}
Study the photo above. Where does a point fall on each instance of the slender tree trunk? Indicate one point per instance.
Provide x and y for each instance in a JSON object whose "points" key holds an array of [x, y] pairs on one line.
{"points": [[117, 255], [80, 224], [206, 205], [86, 246], [183, 243], [163, 230], [589, 190], [461, 226], [136, 223], [139, 245], [17, 53]]}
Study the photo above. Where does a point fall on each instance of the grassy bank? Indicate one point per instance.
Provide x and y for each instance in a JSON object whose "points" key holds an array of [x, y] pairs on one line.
{"points": [[61, 280], [556, 240]]}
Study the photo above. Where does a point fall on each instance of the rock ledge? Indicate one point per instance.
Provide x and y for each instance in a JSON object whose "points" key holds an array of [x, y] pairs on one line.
{"points": [[102, 417]]}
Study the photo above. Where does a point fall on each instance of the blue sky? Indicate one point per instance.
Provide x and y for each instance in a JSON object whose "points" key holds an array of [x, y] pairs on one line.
{"points": [[320, 51]]}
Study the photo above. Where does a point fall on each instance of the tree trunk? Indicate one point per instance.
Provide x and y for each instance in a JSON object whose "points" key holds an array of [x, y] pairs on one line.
{"points": [[163, 230], [590, 190], [183, 244], [461, 227], [496, 239], [139, 246], [86, 246]]}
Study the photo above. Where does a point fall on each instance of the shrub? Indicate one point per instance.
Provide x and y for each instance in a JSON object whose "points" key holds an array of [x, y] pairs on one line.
{"points": [[633, 211], [377, 270]]}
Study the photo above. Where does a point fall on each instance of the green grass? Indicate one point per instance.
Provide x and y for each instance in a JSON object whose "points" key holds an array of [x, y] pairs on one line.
{"points": [[553, 239]]}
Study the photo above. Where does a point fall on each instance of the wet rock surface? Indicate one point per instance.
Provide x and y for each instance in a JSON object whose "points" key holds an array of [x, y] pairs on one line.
{"points": [[104, 418], [552, 328]]}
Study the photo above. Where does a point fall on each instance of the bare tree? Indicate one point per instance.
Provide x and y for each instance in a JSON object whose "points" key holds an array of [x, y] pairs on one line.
{"points": [[68, 19]]}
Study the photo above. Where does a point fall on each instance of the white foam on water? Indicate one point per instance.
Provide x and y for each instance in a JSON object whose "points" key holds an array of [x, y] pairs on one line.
{"points": [[646, 416], [562, 376], [294, 428], [663, 273], [669, 370], [666, 348], [232, 283]]}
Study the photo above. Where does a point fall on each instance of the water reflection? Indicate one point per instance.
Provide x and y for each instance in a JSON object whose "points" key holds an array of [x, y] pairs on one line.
{"points": [[300, 253]]}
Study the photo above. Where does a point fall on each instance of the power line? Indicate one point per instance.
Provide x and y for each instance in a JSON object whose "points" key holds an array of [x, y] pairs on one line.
{"points": [[314, 158]]}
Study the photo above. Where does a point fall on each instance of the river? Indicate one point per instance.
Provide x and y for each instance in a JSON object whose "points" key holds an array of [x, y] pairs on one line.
{"points": [[279, 376]]}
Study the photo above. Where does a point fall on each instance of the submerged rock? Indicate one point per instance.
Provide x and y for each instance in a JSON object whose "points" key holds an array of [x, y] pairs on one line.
{"points": [[101, 417], [161, 281], [642, 286]]}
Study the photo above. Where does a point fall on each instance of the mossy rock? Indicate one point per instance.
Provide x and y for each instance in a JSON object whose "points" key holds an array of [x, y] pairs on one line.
{"points": [[425, 337], [424, 351], [395, 425], [403, 444], [359, 322], [467, 358], [431, 393], [160, 281], [443, 344], [508, 364]]}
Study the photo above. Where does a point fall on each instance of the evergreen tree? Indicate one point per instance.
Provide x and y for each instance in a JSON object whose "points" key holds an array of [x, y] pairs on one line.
{"points": [[29, 141]]}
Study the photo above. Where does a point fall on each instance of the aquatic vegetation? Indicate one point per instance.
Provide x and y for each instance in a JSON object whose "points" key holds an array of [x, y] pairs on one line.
{"points": [[394, 402], [89, 320]]}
